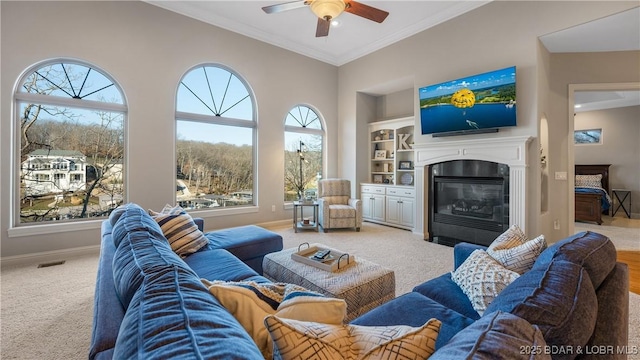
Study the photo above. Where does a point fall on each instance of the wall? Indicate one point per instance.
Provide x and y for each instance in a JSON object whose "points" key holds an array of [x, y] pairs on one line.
{"points": [[147, 50], [620, 147], [494, 36]]}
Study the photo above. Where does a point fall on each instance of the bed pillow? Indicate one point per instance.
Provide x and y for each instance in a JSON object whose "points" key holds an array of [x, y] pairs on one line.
{"points": [[250, 302], [295, 339], [180, 230], [589, 180], [513, 250], [482, 279]]}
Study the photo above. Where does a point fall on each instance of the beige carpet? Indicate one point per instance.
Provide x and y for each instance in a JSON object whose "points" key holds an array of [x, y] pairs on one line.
{"points": [[46, 313]]}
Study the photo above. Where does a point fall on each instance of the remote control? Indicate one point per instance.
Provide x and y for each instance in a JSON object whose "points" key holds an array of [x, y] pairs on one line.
{"points": [[322, 254]]}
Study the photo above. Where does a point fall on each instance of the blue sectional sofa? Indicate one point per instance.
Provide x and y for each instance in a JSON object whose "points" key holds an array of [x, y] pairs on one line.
{"points": [[150, 303]]}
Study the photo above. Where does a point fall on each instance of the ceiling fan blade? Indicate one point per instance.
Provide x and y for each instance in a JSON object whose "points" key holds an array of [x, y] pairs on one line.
{"points": [[323, 27], [366, 11], [284, 6]]}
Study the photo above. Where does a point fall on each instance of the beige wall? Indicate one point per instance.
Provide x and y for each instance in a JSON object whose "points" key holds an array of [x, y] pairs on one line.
{"points": [[620, 147], [147, 50], [493, 36]]}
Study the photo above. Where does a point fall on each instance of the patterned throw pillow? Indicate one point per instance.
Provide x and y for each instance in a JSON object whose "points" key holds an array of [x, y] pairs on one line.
{"points": [[180, 230], [249, 302], [482, 279], [589, 180], [513, 250], [295, 339]]}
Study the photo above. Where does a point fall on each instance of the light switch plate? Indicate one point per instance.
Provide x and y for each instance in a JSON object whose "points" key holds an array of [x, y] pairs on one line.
{"points": [[561, 175]]}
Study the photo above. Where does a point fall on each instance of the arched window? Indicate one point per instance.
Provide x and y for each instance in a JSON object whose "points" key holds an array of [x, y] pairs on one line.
{"points": [[303, 152], [70, 117], [215, 137]]}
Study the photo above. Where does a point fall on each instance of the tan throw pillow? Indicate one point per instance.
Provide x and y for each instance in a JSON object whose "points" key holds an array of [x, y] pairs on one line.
{"points": [[250, 302], [589, 180], [180, 230], [295, 339], [513, 250], [482, 279]]}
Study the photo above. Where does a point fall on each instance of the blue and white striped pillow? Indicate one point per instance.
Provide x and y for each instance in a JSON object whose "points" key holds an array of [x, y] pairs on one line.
{"points": [[180, 230]]}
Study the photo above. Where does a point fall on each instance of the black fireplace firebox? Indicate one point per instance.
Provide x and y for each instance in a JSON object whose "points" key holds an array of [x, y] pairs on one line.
{"points": [[468, 201]]}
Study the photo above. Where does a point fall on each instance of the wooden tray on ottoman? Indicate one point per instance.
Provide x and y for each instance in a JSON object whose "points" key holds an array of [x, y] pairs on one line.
{"points": [[336, 260]]}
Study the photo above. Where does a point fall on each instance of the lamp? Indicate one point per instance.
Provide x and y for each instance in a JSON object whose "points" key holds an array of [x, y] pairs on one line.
{"points": [[327, 9]]}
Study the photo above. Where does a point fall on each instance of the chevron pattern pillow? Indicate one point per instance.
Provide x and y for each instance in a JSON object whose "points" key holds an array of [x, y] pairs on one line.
{"points": [[295, 340], [482, 279], [180, 230], [513, 249]]}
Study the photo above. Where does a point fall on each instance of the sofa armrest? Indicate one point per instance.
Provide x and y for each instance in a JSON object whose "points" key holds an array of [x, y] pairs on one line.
{"points": [[200, 223], [461, 252]]}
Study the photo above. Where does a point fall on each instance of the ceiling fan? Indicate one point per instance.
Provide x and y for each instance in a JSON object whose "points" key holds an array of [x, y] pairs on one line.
{"points": [[326, 10]]}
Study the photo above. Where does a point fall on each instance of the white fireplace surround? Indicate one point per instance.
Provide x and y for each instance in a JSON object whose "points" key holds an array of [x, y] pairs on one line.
{"points": [[511, 151]]}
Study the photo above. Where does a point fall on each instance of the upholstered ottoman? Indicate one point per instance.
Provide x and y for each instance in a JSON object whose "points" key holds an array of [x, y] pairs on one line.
{"points": [[364, 285], [248, 243]]}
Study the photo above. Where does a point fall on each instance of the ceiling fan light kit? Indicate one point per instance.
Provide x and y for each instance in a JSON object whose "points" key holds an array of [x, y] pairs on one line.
{"points": [[327, 9]]}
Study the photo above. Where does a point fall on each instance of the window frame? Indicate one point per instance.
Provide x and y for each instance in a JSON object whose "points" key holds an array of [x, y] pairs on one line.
{"points": [[308, 131], [17, 229], [224, 121]]}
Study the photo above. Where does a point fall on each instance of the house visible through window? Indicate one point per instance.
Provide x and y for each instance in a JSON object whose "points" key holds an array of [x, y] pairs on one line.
{"points": [[70, 117], [215, 137], [303, 152]]}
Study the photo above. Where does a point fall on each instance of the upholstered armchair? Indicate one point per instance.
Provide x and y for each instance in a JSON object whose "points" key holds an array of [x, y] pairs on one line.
{"points": [[336, 207]]}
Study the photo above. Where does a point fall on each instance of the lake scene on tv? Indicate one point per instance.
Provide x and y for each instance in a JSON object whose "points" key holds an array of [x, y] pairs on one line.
{"points": [[483, 101]]}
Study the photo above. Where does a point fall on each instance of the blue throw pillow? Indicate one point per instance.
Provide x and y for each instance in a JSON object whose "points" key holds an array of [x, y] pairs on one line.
{"points": [[173, 316], [559, 299]]}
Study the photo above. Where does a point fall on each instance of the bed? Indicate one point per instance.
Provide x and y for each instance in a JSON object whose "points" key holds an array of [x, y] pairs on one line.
{"points": [[591, 192]]}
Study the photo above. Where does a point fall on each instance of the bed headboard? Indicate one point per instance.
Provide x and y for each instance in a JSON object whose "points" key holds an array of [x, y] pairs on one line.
{"points": [[594, 170]]}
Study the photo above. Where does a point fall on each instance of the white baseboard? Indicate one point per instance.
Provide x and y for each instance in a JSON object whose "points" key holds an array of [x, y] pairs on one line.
{"points": [[49, 256]]}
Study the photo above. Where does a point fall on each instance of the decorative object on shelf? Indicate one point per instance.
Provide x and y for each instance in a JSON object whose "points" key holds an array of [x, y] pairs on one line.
{"points": [[406, 179], [387, 181], [385, 167], [392, 154], [380, 154], [402, 141], [377, 138], [377, 179], [405, 165]]}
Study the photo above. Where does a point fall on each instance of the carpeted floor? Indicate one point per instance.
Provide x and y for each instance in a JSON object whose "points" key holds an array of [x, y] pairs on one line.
{"points": [[46, 313]]}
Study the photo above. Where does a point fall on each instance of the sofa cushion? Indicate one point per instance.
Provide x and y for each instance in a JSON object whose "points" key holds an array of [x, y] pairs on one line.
{"points": [[413, 309], [446, 292], [227, 267], [295, 339], [482, 278], [180, 230], [172, 316], [496, 336], [595, 252], [250, 302], [245, 242], [558, 298], [513, 250], [142, 250]]}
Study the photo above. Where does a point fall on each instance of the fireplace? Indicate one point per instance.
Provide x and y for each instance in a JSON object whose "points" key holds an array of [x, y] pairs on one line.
{"points": [[468, 201]]}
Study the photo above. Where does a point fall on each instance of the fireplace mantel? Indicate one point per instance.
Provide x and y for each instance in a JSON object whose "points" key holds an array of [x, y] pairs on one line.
{"points": [[505, 150]]}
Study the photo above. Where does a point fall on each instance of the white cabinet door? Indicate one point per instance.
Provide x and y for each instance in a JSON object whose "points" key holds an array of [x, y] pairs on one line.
{"points": [[393, 209], [400, 210], [378, 208], [407, 208]]}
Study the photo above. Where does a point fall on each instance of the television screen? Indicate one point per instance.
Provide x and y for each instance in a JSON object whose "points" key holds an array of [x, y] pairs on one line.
{"points": [[471, 104]]}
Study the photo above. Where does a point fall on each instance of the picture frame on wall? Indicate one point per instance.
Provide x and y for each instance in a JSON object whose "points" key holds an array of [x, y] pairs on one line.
{"points": [[380, 154], [405, 165], [587, 137]]}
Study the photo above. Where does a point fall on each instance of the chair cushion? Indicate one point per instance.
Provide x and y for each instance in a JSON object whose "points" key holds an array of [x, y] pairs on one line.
{"points": [[336, 199], [341, 211], [496, 336], [558, 298]]}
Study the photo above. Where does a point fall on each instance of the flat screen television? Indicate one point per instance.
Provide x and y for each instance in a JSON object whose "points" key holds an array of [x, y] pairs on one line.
{"points": [[478, 103]]}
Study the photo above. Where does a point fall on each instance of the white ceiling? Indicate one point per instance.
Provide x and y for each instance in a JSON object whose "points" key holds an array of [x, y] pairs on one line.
{"points": [[355, 37], [295, 29]]}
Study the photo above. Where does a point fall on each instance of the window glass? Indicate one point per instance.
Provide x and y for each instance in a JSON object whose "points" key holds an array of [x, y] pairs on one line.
{"points": [[303, 153], [215, 132], [71, 122]]}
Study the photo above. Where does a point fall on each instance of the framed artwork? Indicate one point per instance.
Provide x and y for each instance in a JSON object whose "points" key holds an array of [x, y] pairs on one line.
{"points": [[380, 154], [377, 179], [587, 137], [405, 165]]}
